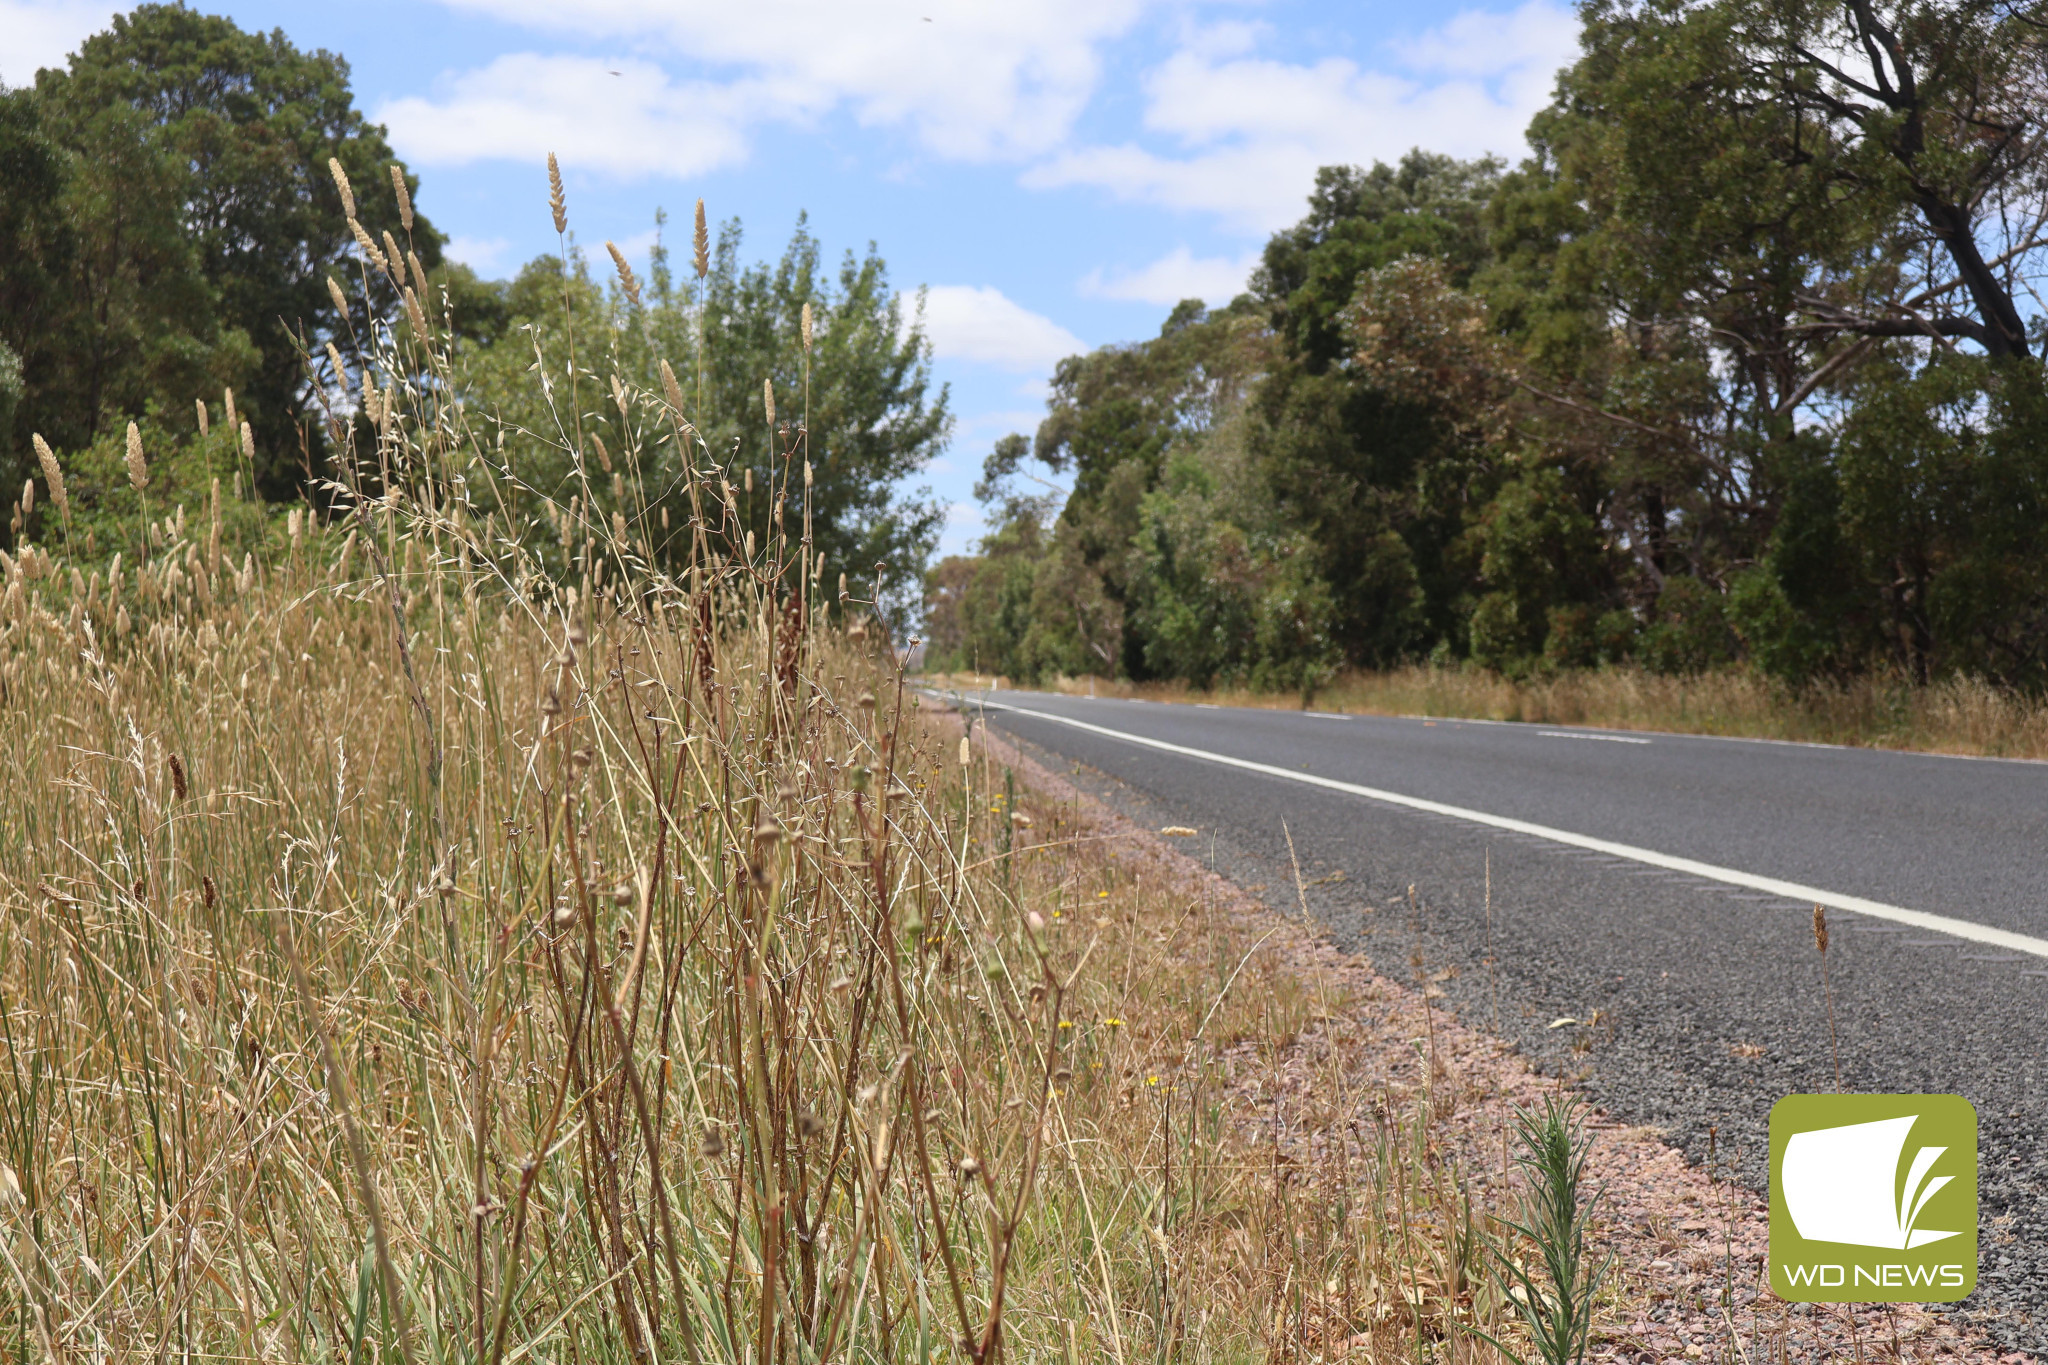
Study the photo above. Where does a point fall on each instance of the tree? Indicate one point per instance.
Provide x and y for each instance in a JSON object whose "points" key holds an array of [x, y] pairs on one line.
{"points": [[1727, 223], [1941, 106], [101, 295], [182, 121], [868, 420], [1359, 220]]}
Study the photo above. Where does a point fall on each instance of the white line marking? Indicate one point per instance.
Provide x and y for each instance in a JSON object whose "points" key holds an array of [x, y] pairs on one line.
{"points": [[1611, 739], [1791, 891]]}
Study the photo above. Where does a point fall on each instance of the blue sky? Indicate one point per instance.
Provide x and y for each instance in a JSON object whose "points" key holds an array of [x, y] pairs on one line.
{"points": [[1057, 173]]}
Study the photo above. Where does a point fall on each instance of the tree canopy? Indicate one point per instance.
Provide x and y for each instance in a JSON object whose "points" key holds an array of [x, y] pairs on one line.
{"points": [[172, 225], [1742, 364]]}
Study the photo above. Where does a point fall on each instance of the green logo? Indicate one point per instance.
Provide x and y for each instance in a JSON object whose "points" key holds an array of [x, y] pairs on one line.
{"points": [[1873, 1198]]}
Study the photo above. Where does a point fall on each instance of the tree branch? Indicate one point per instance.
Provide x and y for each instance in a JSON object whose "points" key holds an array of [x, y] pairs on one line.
{"points": [[1602, 413]]}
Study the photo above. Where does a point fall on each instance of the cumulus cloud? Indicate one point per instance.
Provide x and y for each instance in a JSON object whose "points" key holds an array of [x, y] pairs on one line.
{"points": [[1251, 131], [43, 33], [481, 254], [983, 325], [1180, 274], [623, 117], [969, 79]]}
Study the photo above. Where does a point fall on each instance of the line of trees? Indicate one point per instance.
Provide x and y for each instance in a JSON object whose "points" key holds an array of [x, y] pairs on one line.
{"points": [[1742, 364], [171, 231]]}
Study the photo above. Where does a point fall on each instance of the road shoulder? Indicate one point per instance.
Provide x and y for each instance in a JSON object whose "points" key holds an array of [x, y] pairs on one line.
{"points": [[1689, 1243]]}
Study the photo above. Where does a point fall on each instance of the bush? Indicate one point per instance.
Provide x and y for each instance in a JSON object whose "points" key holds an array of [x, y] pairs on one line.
{"points": [[1690, 634]]}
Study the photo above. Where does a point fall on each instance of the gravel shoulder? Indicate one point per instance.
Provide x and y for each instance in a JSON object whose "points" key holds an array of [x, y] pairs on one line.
{"points": [[1681, 1211]]}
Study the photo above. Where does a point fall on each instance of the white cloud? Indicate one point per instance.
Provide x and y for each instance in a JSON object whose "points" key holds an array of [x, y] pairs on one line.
{"points": [[43, 33], [523, 106], [971, 79], [982, 428], [1252, 131], [481, 254], [983, 325], [1180, 274]]}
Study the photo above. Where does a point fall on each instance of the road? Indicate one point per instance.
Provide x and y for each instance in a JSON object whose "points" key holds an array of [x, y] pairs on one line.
{"points": [[1661, 887]]}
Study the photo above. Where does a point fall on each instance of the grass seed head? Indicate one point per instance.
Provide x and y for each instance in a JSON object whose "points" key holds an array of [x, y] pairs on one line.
{"points": [[179, 787], [1820, 928], [348, 195], [404, 196], [248, 444], [558, 203], [53, 475], [670, 389], [768, 400], [627, 280], [227, 400], [340, 300], [805, 325], [372, 253], [700, 238], [138, 468]]}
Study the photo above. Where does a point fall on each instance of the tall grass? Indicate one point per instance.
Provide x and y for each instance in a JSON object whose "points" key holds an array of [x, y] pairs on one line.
{"points": [[471, 936]]}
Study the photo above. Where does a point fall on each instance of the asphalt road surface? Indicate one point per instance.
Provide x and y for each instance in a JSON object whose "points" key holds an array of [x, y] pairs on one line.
{"points": [[1660, 887]]}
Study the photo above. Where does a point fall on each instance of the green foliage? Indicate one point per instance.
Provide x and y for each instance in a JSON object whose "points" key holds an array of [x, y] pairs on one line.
{"points": [[175, 223], [1690, 633], [1538, 546], [1228, 592], [1360, 220], [1555, 1302], [860, 405], [1731, 370]]}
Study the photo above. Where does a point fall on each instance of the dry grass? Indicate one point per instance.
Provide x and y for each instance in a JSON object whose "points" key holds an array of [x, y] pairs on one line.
{"points": [[798, 1045], [1956, 715], [409, 955]]}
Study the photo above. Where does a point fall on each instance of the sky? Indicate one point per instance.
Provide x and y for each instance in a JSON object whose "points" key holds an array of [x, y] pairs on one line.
{"points": [[1056, 174]]}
